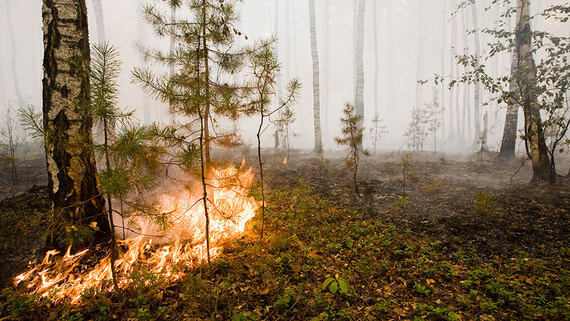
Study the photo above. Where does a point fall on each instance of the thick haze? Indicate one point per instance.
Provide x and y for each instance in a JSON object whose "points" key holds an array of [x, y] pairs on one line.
{"points": [[400, 25]]}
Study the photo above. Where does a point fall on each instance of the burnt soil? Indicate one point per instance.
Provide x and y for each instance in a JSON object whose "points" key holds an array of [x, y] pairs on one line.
{"points": [[474, 205]]}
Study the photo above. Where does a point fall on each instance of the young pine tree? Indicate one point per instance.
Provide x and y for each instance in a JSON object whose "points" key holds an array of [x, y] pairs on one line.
{"points": [[352, 138], [197, 86], [128, 152], [265, 68]]}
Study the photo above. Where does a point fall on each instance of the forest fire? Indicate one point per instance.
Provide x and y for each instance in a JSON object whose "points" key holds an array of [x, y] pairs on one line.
{"points": [[230, 209]]}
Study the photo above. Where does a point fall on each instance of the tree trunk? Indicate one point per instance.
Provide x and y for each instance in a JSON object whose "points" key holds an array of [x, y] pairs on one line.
{"points": [[376, 58], [453, 110], [98, 8], [72, 174], [278, 76], [509, 140], [359, 90], [420, 64], [326, 70], [477, 98], [465, 110], [443, 47], [526, 75], [14, 57], [316, 90]]}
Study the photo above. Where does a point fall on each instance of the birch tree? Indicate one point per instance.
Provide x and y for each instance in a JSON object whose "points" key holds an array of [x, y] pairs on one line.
{"points": [[79, 212], [359, 52], [99, 19], [316, 89]]}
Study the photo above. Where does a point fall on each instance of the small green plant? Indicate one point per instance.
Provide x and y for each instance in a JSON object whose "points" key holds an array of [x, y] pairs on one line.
{"points": [[143, 314], [484, 204], [243, 316], [336, 284], [284, 301], [421, 289]]}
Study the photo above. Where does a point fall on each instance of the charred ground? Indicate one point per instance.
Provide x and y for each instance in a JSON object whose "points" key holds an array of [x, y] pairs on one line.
{"points": [[471, 239]]}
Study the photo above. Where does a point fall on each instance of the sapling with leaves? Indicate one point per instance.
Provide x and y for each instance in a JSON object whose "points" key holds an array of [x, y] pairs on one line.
{"points": [[264, 69], [129, 161], [378, 131], [352, 138], [283, 122], [417, 130], [432, 113], [10, 142]]}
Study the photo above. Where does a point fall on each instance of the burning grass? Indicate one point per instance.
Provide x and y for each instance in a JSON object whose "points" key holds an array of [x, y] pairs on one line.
{"points": [[65, 278]]}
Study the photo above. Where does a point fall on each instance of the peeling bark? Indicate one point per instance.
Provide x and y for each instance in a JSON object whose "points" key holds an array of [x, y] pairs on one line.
{"points": [[526, 77], [73, 183]]}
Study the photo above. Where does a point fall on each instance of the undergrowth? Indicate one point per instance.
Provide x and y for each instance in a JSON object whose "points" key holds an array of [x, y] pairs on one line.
{"points": [[313, 243]]}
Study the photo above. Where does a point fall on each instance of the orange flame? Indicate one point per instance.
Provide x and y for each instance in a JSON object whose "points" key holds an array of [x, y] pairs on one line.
{"points": [[285, 161], [230, 209]]}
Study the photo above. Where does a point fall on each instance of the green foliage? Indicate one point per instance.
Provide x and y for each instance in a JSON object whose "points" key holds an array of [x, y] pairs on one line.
{"points": [[243, 316], [336, 284]]}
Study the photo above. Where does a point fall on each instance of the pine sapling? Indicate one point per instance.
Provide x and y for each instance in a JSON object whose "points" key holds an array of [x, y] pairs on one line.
{"points": [[352, 138]]}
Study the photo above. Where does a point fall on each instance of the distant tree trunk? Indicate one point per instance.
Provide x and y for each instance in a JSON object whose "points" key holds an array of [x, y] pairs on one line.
{"points": [[477, 97], [14, 57], [147, 117], [390, 65], [526, 75], [316, 90], [376, 57], [443, 47], [72, 174], [354, 44], [453, 71], [359, 91], [278, 79], [465, 115], [98, 8], [326, 70], [420, 64], [509, 140]]}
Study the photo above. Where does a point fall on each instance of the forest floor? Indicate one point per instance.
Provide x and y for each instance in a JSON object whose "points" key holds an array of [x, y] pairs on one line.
{"points": [[459, 240]]}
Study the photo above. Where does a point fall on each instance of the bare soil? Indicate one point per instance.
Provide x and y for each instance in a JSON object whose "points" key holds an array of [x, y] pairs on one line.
{"points": [[476, 204]]}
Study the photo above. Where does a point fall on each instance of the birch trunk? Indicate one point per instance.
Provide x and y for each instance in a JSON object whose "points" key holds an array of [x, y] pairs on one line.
{"points": [[477, 98], [526, 76], [316, 90], [72, 174], [420, 65], [326, 70], [359, 53], [443, 46], [99, 19], [376, 58]]}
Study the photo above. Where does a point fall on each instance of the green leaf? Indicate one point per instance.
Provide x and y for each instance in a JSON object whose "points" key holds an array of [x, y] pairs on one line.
{"points": [[326, 283], [343, 285], [333, 287]]}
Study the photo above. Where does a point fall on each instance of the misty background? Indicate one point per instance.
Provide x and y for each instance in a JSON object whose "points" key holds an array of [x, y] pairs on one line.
{"points": [[415, 39]]}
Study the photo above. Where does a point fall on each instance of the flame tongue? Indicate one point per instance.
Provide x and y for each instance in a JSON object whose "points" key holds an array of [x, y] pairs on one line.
{"points": [[230, 210]]}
